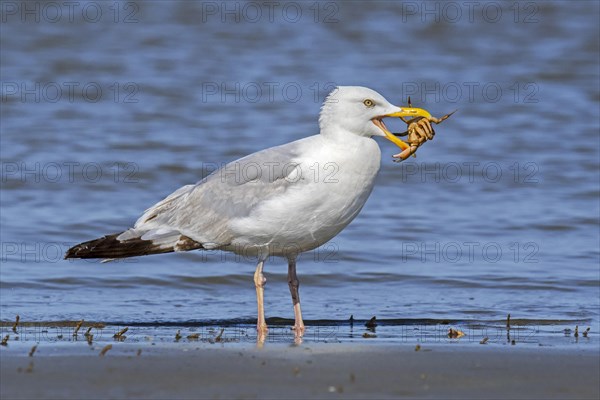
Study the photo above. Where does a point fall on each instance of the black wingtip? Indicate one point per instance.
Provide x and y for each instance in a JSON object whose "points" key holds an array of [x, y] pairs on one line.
{"points": [[111, 247]]}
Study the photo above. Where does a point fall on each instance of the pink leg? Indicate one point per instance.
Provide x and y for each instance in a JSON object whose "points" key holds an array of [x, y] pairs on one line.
{"points": [[293, 283], [259, 282]]}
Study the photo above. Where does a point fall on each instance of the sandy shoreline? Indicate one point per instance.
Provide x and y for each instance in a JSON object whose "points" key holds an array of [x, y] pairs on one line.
{"points": [[314, 370]]}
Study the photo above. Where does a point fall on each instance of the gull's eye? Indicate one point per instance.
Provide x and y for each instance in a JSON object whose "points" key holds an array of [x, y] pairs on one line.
{"points": [[369, 103]]}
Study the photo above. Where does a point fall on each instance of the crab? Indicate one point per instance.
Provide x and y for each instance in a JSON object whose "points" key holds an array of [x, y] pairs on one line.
{"points": [[419, 130]]}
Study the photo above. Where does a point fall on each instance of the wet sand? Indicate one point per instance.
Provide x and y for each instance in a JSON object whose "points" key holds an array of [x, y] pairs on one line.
{"points": [[314, 370]]}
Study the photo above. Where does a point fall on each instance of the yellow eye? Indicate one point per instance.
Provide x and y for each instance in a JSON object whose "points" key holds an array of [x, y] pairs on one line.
{"points": [[369, 103]]}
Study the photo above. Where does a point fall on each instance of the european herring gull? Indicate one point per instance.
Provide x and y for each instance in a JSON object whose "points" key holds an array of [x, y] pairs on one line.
{"points": [[281, 201]]}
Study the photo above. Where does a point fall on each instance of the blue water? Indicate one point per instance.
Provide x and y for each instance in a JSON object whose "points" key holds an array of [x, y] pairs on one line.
{"points": [[104, 115]]}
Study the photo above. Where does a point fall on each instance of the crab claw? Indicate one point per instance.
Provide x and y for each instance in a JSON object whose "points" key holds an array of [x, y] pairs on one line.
{"points": [[404, 154]]}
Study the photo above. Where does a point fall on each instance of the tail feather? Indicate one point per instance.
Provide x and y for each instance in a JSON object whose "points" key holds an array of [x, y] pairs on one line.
{"points": [[111, 247]]}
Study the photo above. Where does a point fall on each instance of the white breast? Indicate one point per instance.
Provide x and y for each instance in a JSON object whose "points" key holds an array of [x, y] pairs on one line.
{"points": [[331, 184]]}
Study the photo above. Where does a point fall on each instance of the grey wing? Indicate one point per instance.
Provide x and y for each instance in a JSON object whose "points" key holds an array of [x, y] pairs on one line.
{"points": [[204, 211]]}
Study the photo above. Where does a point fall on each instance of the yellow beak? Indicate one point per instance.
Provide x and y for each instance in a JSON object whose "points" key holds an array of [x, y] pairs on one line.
{"points": [[402, 112]]}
